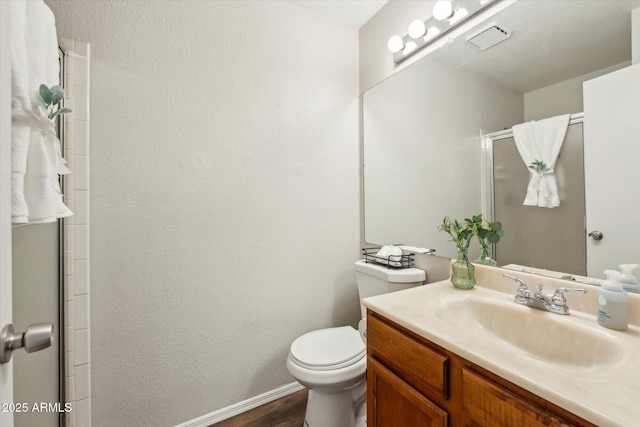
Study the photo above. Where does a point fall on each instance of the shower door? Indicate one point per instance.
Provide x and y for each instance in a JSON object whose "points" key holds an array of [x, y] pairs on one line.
{"points": [[36, 271], [553, 239], [37, 297]]}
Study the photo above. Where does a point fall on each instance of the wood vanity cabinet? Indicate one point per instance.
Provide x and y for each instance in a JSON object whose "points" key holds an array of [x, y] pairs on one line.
{"points": [[414, 382]]}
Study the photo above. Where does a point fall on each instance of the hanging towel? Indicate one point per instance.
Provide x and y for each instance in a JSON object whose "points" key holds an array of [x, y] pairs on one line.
{"points": [[36, 154], [539, 144], [20, 107]]}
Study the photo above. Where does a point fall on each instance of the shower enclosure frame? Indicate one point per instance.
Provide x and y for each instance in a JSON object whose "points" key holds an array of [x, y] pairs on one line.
{"points": [[487, 156]]}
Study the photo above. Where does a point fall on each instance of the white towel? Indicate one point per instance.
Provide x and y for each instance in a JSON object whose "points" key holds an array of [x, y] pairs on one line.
{"points": [[416, 250], [41, 187], [390, 255], [382, 256], [36, 155], [540, 141], [21, 106]]}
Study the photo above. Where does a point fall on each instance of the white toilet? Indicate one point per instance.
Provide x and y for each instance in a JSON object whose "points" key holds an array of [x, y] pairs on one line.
{"points": [[332, 362]]}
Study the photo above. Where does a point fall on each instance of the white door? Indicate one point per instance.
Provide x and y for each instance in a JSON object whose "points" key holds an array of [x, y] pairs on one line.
{"points": [[6, 315], [612, 174]]}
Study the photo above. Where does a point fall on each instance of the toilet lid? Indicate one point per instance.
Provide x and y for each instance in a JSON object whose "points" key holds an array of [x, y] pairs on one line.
{"points": [[330, 348]]}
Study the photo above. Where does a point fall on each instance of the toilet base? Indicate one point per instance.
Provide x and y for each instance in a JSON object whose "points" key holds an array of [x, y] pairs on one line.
{"points": [[346, 408]]}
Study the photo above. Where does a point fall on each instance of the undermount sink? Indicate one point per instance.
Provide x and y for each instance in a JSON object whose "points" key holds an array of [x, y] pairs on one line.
{"points": [[546, 336]]}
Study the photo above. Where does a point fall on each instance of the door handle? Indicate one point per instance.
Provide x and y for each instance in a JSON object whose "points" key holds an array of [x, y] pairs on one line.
{"points": [[37, 337], [595, 235]]}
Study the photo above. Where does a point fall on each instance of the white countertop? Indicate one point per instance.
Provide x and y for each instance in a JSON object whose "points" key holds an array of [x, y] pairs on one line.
{"points": [[606, 395]]}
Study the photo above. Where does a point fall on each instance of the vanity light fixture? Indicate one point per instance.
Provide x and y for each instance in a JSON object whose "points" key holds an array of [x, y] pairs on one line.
{"points": [[458, 16], [395, 44], [409, 47], [447, 14], [443, 9], [417, 29]]}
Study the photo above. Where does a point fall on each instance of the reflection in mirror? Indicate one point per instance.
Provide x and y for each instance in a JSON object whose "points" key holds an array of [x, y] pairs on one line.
{"points": [[540, 228], [422, 126]]}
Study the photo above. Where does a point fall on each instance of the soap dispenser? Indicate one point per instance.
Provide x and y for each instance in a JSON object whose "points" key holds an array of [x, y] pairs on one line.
{"points": [[612, 302], [627, 279]]}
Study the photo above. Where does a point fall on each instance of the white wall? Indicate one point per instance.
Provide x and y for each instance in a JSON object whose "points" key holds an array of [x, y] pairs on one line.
{"points": [[224, 197], [560, 98]]}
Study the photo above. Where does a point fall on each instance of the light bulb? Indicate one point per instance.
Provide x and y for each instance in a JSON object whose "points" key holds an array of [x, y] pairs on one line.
{"points": [[442, 10], [458, 15], [410, 47], [395, 44], [416, 29], [431, 33]]}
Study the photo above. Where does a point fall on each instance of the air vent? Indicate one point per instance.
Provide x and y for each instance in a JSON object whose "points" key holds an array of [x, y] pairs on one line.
{"points": [[489, 36]]}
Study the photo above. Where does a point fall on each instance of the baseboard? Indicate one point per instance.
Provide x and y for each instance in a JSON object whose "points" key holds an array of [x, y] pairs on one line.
{"points": [[240, 407]]}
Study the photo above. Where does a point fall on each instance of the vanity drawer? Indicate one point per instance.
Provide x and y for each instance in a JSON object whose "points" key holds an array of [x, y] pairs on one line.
{"points": [[420, 366], [487, 404]]}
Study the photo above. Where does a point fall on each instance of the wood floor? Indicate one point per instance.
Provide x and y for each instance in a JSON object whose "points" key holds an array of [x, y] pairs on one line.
{"points": [[285, 412]]}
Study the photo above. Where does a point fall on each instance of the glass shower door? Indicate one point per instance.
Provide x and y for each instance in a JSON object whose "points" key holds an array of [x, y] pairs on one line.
{"points": [[36, 270], [553, 239]]}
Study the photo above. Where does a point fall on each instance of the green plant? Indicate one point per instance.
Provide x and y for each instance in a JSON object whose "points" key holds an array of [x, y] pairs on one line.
{"points": [[460, 232], [539, 166], [491, 233], [51, 97]]}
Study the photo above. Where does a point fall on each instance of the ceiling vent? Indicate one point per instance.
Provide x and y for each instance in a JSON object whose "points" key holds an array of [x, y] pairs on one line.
{"points": [[489, 36]]}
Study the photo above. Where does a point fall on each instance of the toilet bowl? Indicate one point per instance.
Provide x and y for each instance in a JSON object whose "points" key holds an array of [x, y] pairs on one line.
{"points": [[332, 362]]}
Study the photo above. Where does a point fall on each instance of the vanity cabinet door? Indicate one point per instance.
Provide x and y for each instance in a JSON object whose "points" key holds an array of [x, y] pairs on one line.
{"points": [[487, 404], [393, 402], [420, 366]]}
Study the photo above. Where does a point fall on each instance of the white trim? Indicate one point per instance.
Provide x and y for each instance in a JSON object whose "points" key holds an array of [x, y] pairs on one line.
{"points": [[240, 407], [77, 345], [6, 289]]}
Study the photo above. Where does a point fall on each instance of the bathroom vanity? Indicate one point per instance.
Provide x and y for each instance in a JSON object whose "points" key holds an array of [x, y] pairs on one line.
{"points": [[438, 356], [413, 381]]}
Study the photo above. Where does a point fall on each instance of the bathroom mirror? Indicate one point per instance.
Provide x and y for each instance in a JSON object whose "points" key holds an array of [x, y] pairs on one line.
{"points": [[422, 126]]}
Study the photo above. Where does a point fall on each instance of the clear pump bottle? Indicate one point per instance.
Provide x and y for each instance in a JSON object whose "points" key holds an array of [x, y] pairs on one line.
{"points": [[627, 279], [612, 303]]}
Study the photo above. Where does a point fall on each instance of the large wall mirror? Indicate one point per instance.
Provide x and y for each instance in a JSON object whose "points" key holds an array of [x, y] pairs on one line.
{"points": [[422, 127]]}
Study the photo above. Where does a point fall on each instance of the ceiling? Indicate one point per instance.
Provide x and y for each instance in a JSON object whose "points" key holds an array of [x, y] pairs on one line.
{"points": [[551, 41], [354, 13]]}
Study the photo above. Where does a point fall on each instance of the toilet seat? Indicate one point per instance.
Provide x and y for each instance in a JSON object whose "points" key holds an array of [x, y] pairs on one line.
{"points": [[328, 349]]}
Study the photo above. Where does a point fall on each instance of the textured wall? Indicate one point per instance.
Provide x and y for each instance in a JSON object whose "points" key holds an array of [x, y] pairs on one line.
{"points": [[560, 98], [224, 170]]}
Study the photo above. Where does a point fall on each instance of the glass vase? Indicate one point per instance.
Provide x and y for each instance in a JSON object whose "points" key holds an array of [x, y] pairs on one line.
{"points": [[485, 255], [462, 276]]}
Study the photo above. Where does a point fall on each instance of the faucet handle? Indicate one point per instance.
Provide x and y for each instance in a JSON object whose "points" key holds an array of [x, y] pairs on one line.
{"points": [[522, 291], [558, 296], [521, 283]]}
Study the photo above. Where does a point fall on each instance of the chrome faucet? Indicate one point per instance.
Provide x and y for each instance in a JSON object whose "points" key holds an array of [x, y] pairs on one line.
{"points": [[555, 303]]}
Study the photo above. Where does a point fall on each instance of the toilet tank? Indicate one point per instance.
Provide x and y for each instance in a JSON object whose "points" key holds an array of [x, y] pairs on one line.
{"points": [[374, 279]]}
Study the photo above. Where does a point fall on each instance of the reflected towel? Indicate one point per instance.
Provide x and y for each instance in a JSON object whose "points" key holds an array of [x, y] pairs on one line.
{"points": [[540, 141]]}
